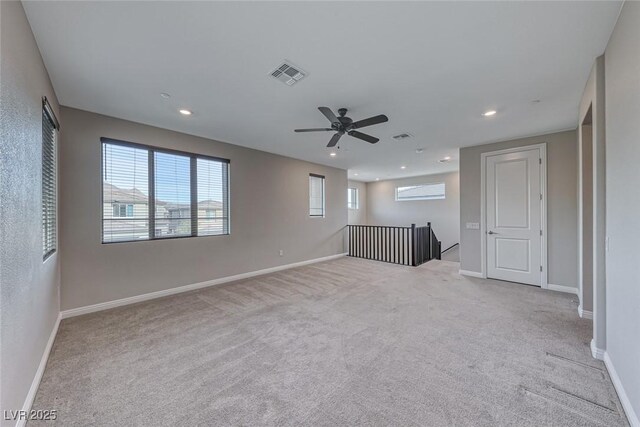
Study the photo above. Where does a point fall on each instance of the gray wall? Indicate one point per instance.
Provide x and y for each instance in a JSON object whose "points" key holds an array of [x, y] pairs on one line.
{"points": [[562, 213], [622, 65], [444, 215], [28, 287], [269, 211], [359, 216]]}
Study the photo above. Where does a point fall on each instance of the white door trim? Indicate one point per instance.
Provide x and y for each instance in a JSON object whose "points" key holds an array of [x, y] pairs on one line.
{"points": [[544, 283]]}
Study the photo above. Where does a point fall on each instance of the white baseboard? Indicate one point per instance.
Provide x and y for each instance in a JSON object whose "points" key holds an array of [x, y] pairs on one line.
{"points": [[562, 288], [186, 288], [31, 395], [585, 314], [634, 420], [596, 352], [471, 273]]}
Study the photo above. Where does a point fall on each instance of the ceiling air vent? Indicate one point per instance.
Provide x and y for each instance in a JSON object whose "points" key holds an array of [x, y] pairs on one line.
{"points": [[402, 136], [288, 73]]}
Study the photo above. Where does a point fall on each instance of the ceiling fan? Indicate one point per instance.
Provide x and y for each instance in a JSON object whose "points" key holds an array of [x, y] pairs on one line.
{"points": [[344, 124]]}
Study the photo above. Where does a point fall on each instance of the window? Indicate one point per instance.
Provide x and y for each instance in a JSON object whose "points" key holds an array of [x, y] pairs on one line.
{"points": [[352, 198], [151, 193], [172, 180], [316, 195], [213, 200], [122, 210], [125, 175], [49, 174], [421, 192]]}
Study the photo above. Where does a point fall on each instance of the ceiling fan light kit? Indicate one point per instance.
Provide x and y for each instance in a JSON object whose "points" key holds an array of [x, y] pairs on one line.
{"points": [[342, 124]]}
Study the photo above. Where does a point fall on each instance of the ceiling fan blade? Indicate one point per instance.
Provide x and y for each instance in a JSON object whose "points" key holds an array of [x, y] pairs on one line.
{"points": [[364, 136], [312, 130], [334, 140], [329, 114], [370, 121]]}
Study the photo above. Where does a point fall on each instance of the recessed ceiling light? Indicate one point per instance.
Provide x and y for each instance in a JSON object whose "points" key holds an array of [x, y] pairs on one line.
{"points": [[445, 159], [332, 154], [185, 112], [403, 167], [165, 95], [489, 113], [377, 179], [419, 150], [355, 174]]}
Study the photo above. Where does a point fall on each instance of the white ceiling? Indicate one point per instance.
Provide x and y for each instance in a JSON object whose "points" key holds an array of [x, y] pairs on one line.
{"points": [[432, 68]]}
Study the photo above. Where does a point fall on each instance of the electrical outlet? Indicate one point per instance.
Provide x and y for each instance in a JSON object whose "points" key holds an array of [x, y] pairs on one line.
{"points": [[281, 252]]}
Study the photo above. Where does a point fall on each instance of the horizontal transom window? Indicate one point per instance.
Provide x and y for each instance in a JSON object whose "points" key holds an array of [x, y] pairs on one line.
{"points": [[154, 193], [421, 192]]}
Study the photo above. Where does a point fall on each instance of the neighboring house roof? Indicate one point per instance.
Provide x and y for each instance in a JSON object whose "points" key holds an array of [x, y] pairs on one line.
{"points": [[113, 194]]}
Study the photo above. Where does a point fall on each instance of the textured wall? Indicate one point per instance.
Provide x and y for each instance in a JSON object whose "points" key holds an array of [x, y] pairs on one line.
{"points": [[269, 211], [444, 215], [562, 200], [622, 74], [29, 302], [359, 216]]}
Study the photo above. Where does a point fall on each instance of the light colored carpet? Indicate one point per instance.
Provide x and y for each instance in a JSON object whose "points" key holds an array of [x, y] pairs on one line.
{"points": [[346, 342]]}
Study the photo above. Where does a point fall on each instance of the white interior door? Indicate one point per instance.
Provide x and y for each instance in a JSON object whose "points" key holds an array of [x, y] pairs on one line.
{"points": [[514, 216]]}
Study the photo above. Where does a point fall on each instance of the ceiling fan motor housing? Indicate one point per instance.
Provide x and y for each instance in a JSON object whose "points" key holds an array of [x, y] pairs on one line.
{"points": [[344, 120]]}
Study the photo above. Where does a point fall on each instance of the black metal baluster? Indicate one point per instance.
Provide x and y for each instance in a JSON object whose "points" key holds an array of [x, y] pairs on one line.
{"points": [[402, 243], [430, 242], [395, 245], [375, 243]]}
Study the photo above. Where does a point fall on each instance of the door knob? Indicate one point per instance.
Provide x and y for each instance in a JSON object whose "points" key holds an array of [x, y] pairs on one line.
{"points": [[492, 232]]}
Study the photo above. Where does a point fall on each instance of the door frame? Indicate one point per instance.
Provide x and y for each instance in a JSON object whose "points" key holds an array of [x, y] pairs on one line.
{"points": [[544, 283]]}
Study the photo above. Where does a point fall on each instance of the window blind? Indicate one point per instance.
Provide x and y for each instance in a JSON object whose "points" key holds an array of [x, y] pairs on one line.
{"points": [[213, 200], [316, 195], [125, 193], [49, 172], [172, 180], [152, 193]]}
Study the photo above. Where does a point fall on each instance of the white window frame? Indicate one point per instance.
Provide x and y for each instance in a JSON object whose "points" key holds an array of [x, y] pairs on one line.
{"points": [[126, 206]]}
